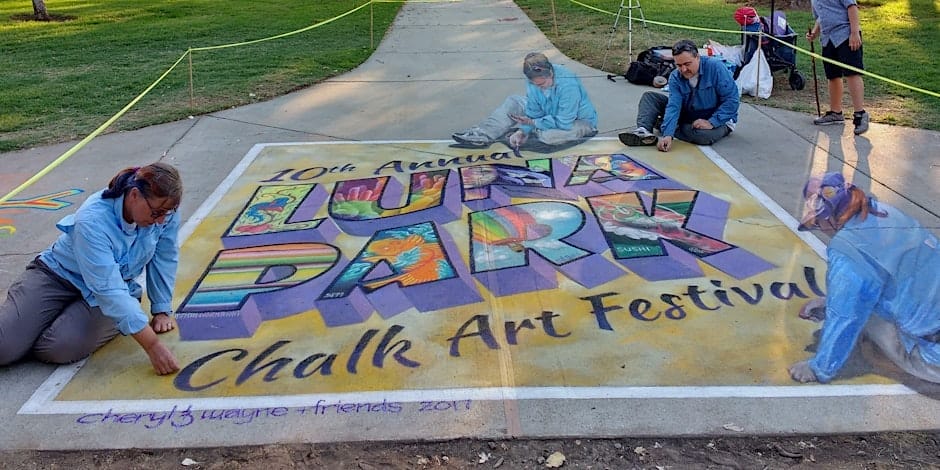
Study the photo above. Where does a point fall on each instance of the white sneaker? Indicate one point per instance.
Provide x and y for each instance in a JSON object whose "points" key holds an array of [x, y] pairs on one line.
{"points": [[473, 136]]}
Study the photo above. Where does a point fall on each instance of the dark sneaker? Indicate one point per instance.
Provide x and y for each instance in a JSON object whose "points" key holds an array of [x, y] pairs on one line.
{"points": [[861, 122], [829, 119], [638, 137], [473, 137]]}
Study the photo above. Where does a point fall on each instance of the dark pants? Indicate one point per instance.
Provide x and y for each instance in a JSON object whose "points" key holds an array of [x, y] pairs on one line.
{"points": [[650, 115], [842, 53], [46, 315]]}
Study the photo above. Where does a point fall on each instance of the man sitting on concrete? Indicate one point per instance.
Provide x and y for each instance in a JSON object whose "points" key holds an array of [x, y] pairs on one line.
{"points": [[556, 109], [701, 107]]}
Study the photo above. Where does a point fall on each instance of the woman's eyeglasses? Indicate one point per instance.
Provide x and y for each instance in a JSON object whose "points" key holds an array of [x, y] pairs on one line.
{"points": [[157, 213]]}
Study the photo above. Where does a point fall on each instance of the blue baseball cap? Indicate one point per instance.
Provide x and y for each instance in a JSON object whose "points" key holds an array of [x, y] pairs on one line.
{"points": [[826, 197]]}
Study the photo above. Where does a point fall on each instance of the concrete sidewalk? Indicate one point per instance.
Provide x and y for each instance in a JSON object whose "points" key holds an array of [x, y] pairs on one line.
{"points": [[442, 67]]}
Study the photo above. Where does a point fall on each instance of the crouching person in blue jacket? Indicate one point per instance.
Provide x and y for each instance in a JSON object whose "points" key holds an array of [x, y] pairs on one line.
{"points": [[80, 292], [701, 107], [883, 282]]}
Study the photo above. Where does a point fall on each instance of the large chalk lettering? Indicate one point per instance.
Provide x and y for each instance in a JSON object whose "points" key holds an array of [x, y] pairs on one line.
{"points": [[244, 286], [281, 214], [398, 269], [637, 226], [606, 168], [493, 185], [502, 239], [593, 175], [360, 207]]}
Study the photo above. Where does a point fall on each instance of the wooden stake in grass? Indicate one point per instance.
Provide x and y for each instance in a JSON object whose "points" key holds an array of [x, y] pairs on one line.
{"points": [[192, 100], [554, 20]]}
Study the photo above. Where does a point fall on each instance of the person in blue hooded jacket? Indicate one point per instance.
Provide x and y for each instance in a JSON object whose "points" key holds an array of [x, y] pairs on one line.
{"points": [[556, 110], [81, 292], [701, 107], [883, 282]]}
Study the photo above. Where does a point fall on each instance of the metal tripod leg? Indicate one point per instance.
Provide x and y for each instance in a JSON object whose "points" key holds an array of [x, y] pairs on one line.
{"points": [[630, 5], [630, 24]]}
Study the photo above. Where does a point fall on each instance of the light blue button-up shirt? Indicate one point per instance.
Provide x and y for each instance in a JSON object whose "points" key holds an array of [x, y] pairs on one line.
{"points": [[888, 266], [101, 254], [833, 17]]}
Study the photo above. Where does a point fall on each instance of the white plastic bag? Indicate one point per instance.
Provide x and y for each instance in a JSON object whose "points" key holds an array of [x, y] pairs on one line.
{"points": [[756, 70], [733, 54]]}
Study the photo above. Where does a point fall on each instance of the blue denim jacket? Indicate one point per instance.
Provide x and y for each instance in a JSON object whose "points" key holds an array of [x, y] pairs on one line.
{"points": [[715, 98], [889, 266], [101, 254]]}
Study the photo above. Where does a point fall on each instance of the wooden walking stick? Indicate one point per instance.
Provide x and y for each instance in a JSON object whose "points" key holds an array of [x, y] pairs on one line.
{"points": [[812, 48]]}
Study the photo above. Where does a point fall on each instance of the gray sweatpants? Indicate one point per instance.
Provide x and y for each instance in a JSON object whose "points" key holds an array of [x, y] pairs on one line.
{"points": [[499, 122], [47, 316], [650, 113], [885, 335]]}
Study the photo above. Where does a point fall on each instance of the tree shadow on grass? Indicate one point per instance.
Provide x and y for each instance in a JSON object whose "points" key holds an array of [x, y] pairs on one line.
{"points": [[53, 18]]}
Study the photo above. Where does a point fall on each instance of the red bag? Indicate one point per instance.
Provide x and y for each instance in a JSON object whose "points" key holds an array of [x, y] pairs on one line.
{"points": [[746, 15]]}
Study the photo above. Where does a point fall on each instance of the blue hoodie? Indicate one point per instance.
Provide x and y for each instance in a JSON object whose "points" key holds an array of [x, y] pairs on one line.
{"points": [[559, 106]]}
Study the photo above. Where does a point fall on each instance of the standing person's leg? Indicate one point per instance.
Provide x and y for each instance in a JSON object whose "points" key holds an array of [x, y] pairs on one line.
{"points": [[885, 335], [33, 303], [852, 78], [75, 334], [835, 95], [856, 87], [494, 126], [856, 91], [834, 75], [860, 117]]}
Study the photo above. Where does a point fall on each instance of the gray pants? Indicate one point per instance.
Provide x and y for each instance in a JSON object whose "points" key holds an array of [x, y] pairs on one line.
{"points": [[885, 335], [47, 316], [499, 122], [650, 113]]}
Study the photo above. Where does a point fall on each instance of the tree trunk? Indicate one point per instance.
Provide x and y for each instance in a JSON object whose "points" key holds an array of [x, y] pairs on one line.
{"points": [[800, 5], [39, 10]]}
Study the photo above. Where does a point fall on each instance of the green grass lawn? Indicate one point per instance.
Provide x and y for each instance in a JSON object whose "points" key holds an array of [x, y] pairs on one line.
{"points": [[899, 37], [63, 79]]}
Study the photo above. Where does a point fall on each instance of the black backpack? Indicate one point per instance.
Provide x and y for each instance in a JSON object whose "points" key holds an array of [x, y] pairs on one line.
{"points": [[649, 64]]}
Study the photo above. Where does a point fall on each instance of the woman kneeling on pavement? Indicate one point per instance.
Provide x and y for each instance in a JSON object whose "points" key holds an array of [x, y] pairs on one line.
{"points": [[81, 292]]}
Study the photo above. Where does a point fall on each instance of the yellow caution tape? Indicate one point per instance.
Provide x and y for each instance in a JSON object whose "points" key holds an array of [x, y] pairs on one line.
{"points": [[798, 49], [284, 35], [68, 153]]}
